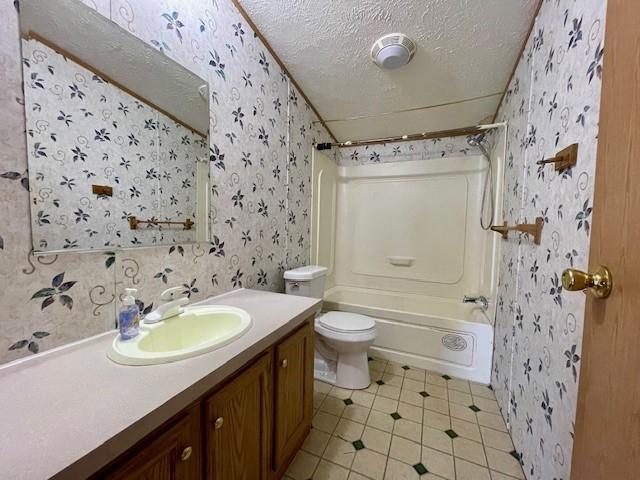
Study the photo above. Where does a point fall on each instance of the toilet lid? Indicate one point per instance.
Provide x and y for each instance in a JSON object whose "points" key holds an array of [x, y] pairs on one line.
{"points": [[346, 322]]}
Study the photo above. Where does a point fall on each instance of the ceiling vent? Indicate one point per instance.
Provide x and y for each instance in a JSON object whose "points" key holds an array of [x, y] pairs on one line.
{"points": [[393, 51]]}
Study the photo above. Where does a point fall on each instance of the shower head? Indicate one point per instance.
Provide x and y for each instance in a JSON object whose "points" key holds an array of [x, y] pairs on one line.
{"points": [[476, 141]]}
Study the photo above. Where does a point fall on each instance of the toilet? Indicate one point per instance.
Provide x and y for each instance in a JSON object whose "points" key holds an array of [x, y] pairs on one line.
{"points": [[342, 339]]}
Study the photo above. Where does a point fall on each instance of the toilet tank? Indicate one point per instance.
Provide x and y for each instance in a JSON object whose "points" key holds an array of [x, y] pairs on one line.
{"points": [[305, 281]]}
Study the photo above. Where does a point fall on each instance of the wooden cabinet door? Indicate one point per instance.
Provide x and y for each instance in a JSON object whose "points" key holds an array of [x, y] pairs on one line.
{"points": [[293, 394], [173, 455], [238, 426]]}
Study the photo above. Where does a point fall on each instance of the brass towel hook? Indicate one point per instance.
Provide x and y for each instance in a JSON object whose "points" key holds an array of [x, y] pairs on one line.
{"points": [[533, 229], [564, 159]]}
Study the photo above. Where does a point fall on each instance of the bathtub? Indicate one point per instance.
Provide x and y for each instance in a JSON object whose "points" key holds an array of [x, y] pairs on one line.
{"points": [[427, 332]]}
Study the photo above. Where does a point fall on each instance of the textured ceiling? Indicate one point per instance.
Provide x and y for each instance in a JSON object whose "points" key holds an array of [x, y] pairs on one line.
{"points": [[466, 49]]}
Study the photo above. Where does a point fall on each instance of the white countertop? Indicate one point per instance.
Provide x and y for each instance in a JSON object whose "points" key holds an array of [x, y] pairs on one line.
{"points": [[69, 412]]}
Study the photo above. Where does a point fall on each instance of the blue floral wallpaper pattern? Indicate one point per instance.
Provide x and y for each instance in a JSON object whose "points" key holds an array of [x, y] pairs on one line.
{"points": [[552, 102], [82, 130], [261, 135], [406, 151]]}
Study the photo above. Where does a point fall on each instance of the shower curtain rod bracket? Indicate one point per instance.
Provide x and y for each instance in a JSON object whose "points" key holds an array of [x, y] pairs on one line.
{"points": [[323, 146]]}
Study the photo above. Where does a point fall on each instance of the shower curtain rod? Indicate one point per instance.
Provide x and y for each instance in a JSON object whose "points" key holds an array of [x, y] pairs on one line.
{"points": [[456, 132]]}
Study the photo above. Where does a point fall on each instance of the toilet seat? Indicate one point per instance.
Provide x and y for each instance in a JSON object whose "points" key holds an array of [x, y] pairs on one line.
{"points": [[344, 322]]}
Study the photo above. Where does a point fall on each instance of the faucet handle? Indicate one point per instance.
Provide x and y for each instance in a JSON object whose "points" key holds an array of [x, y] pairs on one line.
{"points": [[171, 293], [166, 310]]}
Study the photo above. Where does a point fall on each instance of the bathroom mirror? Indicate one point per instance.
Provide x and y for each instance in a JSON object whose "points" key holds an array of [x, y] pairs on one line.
{"points": [[116, 135]]}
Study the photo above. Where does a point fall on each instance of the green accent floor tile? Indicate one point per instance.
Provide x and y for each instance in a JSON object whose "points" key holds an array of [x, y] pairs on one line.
{"points": [[420, 468], [358, 445]]}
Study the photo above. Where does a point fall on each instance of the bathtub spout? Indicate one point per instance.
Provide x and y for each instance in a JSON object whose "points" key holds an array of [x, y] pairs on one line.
{"points": [[479, 300]]}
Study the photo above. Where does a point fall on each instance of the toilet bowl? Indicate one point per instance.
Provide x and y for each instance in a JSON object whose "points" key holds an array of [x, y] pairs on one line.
{"points": [[342, 341], [342, 338]]}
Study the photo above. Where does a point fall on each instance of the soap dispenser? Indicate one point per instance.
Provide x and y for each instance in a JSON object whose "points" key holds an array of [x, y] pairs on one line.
{"points": [[129, 317]]}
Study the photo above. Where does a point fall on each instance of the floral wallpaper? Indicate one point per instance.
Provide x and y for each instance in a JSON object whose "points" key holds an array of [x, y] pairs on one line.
{"points": [[261, 135], [406, 151], [82, 130], [552, 102]]}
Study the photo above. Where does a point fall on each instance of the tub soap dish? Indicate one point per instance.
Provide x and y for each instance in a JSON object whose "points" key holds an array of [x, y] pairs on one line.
{"points": [[401, 261]]}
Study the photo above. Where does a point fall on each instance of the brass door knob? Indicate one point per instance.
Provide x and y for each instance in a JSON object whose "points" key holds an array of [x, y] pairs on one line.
{"points": [[284, 363], [218, 423], [599, 283], [186, 454]]}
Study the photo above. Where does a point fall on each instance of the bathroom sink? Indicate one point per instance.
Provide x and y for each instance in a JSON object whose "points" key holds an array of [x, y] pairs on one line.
{"points": [[199, 329]]}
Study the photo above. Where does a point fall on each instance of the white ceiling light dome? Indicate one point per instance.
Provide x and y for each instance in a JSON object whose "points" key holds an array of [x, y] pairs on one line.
{"points": [[393, 50]]}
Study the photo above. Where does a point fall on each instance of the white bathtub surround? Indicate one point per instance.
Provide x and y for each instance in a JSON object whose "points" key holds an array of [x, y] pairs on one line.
{"points": [[424, 211], [431, 333], [407, 423]]}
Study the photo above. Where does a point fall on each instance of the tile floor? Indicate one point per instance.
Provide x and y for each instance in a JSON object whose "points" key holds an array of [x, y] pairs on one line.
{"points": [[409, 424]]}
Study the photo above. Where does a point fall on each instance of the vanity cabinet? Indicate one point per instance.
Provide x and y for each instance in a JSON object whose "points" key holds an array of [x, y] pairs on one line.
{"points": [[293, 395], [237, 426], [173, 455], [249, 428]]}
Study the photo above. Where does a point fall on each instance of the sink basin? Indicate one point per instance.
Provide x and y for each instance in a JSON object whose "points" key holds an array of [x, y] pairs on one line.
{"points": [[198, 330]]}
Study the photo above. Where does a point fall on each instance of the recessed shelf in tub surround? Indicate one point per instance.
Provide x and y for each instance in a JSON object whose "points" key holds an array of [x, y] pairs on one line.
{"points": [[96, 409]]}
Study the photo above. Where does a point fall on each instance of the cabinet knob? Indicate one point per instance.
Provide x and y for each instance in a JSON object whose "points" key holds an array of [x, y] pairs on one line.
{"points": [[218, 423], [186, 454], [284, 363]]}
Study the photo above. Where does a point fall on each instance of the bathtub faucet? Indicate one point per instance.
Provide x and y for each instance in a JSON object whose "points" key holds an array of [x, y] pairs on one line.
{"points": [[479, 300]]}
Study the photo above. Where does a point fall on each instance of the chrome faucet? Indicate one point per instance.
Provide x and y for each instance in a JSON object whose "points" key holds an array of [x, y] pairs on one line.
{"points": [[170, 308], [479, 300]]}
